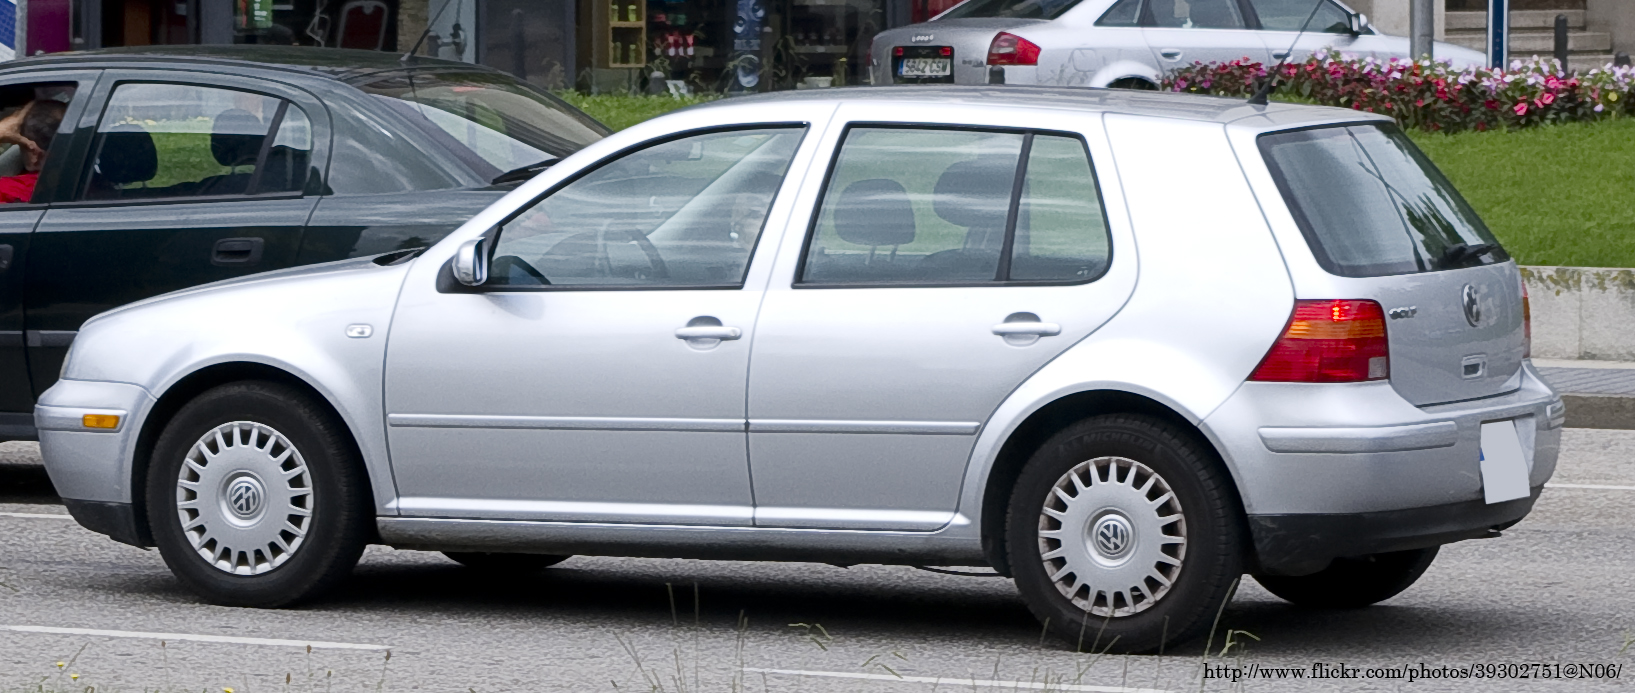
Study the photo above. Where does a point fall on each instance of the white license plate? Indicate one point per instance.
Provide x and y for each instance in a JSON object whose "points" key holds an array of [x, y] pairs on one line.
{"points": [[925, 67], [1504, 463]]}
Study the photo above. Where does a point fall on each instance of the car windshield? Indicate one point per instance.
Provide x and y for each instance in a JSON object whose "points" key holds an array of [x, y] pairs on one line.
{"points": [[1024, 9], [488, 119], [1371, 204]]}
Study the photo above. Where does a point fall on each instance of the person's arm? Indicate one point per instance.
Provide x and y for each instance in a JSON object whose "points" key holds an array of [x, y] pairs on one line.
{"points": [[11, 130]]}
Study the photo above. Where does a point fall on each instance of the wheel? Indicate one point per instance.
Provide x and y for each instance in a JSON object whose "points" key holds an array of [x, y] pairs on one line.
{"points": [[1351, 583], [1135, 83], [256, 496], [505, 562], [1124, 534]]}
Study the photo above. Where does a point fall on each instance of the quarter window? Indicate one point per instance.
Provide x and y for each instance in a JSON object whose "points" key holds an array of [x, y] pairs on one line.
{"points": [[177, 140], [682, 213], [957, 207]]}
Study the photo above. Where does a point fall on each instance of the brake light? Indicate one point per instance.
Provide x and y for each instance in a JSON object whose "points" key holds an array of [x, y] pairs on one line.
{"points": [[1330, 341], [1010, 49], [1526, 323]]}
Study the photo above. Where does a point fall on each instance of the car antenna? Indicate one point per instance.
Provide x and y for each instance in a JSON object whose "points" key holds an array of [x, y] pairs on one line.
{"points": [[1270, 85], [427, 32]]}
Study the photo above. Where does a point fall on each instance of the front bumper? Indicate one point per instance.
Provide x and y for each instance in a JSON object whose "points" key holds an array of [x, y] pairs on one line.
{"points": [[1344, 470], [92, 469]]}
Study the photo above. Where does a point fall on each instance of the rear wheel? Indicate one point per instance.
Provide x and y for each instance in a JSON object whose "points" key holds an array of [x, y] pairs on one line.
{"points": [[1135, 83], [256, 496], [1350, 583], [1124, 533], [505, 562]]}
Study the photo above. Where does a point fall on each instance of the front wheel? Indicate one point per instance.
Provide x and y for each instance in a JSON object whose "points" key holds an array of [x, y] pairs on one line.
{"points": [[1351, 583], [1124, 534], [256, 496]]}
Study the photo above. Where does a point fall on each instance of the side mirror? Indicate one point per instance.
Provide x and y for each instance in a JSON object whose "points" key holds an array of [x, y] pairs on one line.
{"points": [[471, 262], [1358, 25]]}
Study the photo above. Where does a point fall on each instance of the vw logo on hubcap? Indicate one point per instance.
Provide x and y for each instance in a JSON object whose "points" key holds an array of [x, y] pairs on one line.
{"points": [[244, 497], [1112, 536]]}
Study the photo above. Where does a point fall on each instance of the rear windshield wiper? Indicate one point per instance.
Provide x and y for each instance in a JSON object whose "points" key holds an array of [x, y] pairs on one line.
{"points": [[1459, 252], [523, 172]]}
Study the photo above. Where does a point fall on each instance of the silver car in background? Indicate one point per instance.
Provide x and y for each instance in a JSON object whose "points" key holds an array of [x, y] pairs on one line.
{"points": [[1121, 43], [1124, 353]]}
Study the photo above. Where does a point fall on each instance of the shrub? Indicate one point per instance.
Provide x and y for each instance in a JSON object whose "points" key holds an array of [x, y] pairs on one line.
{"points": [[1430, 95]]}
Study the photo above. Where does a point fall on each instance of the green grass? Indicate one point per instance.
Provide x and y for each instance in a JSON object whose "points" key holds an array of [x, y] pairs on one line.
{"points": [[1555, 195]]}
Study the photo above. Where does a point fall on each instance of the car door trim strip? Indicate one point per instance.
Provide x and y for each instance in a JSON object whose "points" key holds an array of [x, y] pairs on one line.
{"points": [[923, 428], [1425, 436], [573, 511], [570, 423]]}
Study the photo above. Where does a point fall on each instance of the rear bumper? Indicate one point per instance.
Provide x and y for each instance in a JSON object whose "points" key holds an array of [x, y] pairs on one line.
{"points": [[1300, 544]]}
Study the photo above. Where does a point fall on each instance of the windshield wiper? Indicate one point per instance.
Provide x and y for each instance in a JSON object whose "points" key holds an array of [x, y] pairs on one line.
{"points": [[523, 172], [1459, 252]]}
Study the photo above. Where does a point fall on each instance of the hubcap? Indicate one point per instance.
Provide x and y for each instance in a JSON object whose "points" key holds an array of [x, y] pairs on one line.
{"points": [[1112, 536], [244, 498]]}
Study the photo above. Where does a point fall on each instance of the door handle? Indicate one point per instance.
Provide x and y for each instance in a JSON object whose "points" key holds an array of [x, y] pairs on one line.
{"points": [[709, 332], [237, 252], [1027, 329], [1170, 53], [1279, 55]]}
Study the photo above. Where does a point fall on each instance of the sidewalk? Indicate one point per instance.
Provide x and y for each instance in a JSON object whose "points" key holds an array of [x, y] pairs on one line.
{"points": [[1599, 394]]}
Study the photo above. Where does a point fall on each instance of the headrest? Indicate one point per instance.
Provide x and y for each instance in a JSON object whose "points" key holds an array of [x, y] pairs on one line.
{"points": [[875, 212], [127, 156], [235, 138], [975, 194]]}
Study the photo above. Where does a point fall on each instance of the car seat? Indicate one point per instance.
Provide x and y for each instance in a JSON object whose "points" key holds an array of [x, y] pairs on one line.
{"points": [[973, 194], [874, 212], [127, 157], [235, 140]]}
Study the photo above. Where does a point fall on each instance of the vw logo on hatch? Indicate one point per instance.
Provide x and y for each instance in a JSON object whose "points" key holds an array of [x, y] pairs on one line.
{"points": [[1472, 306], [1112, 536], [244, 496]]}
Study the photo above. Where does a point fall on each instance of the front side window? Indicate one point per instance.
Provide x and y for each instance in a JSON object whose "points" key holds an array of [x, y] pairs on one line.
{"points": [[180, 140], [1010, 9], [1371, 204], [1290, 15], [682, 213], [957, 207], [1196, 14]]}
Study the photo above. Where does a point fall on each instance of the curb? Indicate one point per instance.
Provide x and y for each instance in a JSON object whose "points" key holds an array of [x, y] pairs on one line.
{"points": [[1600, 411]]}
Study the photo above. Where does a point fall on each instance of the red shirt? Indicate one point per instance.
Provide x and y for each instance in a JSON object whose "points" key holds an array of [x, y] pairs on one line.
{"points": [[18, 188]]}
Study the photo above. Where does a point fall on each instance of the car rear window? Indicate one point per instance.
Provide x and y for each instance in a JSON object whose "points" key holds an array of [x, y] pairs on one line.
{"points": [[1371, 204], [1021, 9]]}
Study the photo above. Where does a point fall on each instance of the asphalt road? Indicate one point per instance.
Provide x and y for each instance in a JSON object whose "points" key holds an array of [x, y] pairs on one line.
{"points": [[1555, 590]]}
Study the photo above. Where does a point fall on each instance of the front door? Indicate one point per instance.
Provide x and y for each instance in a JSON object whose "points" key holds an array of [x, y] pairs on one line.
{"points": [[930, 286], [17, 222], [1327, 26], [599, 373], [189, 182], [1181, 33]]}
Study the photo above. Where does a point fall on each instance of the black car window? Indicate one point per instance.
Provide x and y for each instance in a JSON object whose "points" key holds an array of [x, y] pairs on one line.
{"points": [[160, 141], [929, 207], [1020, 9], [1290, 15]]}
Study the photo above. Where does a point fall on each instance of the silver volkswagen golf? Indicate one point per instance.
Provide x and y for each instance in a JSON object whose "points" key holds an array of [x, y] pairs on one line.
{"points": [[1122, 347], [1122, 43]]}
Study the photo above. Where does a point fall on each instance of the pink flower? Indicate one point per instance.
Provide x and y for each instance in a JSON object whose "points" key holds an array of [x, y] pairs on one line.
{"points": [[1548, 98], [1521, 108]]}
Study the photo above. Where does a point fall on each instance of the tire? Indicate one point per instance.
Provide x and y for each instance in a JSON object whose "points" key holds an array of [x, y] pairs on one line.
{"points": [[1353, 583], [1133, 83], [1106, 590], [505, 562], [280, 458]]}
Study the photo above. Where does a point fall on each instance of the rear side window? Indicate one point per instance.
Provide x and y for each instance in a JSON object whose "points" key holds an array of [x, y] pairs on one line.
{"points": [[180, 140], [1371, 204], [937, 207]]}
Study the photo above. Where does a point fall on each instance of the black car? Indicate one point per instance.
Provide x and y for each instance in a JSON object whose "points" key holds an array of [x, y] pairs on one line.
{"points": [[171, 170]]}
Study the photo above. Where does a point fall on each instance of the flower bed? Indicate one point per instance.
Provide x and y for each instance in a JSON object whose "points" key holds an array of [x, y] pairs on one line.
{"points": [[1431, 95]]}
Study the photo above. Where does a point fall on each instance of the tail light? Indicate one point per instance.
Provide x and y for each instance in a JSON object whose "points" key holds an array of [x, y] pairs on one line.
{"points": [[1010, 49], [1337, 341], [1526, 323]]}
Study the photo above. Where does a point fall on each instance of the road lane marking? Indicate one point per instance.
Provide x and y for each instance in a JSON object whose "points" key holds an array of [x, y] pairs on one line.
{"points": [[1595, 487], [961, 683], [43, 516], [317, 645]]}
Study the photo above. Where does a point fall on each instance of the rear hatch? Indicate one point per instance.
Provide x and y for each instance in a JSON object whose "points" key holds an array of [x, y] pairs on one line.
{"points": [[966, 38], [1374, 208]]}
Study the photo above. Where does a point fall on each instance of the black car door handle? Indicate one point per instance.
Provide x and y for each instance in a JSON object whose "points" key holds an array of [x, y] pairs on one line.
{"points": [[236, 252]]}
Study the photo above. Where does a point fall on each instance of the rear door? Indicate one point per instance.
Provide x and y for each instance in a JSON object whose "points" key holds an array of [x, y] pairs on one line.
{"points": [[17, 221], [189, 179], [1181, 33], [1374, 210]]}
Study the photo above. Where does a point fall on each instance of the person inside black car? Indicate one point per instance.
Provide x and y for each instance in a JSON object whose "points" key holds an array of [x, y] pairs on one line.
{"points": [[31, 128]]}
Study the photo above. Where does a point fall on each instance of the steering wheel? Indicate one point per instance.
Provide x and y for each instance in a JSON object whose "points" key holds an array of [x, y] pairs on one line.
{"points": [[502, 266], [660, 270]]}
